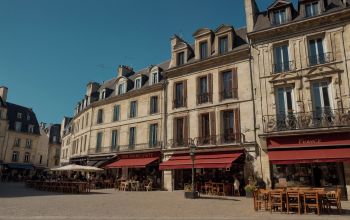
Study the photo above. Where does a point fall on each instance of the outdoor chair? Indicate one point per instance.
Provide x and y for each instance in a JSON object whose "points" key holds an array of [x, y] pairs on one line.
{"points": [[276, 200], [148, 187], [333, 200], [208, 187], [311, 201], [293, 201], [220, 189], [261, 199]]}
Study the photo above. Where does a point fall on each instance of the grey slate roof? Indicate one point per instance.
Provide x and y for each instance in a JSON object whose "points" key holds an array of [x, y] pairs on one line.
{"points": [[263, 21], [13, 109], [55, 130]]}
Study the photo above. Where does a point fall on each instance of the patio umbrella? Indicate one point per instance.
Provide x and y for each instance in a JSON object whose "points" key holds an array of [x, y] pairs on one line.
{"points": [[74, 167]]}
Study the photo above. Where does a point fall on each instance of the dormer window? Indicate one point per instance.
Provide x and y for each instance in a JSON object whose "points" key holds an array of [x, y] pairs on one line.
{"points": [[203, 46], [28, 117], [154, 78], [279, 16], [31, 128], [19, 115], [121, 89], [223, 44], [180, 58], [137, 83], [312, 9], [103, 94]]}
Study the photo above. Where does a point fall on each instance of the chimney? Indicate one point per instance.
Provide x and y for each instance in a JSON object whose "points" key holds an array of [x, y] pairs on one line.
{"points": [[125, 70], [91, 88], [3, 93], [251, 12]]}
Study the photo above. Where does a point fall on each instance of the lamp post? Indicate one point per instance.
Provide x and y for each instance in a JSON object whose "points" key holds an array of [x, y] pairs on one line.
{"points": [[192, 154]]}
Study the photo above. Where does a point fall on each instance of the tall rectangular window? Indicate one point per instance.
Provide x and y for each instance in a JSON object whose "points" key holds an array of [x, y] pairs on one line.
{"points": [[179, 131], [41, 159], [281, 56], [153, 135], [114, 140], [99, 141], [100, 116], [133, 109], [155, 78], [321, 99], [132, 137], [15, 156], [18, 126], [203, 95], [223, 45], [205, 129], [154, 105], [227, 79], [87, 119], [203, 47], [285, 108], [26, 157], [17, 142], [179, 95], [279, 16], [28, 143], [317, 55], [180, 58], [31, 128], [311, 9], [138, 83], [116, 113], [121, 89]]}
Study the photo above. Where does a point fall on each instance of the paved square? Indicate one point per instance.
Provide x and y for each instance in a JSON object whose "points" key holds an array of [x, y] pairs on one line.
{"points": [[19, 202]]}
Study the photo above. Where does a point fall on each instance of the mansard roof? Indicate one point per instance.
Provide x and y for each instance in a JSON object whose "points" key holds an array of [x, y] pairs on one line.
{"points": [[202, 31], [12, 111], [278, 4]]}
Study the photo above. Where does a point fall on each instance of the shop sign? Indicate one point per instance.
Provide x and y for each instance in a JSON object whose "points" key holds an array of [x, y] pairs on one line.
{"points": [[335, 139], [137, 156]]}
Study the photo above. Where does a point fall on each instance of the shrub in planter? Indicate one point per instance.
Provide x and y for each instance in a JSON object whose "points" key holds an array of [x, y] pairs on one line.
{"points": [[249, 190]]}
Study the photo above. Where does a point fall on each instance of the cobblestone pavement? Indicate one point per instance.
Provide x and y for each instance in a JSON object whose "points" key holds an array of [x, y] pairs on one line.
{"points": [[19, 202]]}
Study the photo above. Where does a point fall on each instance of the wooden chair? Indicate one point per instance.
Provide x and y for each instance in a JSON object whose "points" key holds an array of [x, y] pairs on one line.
{"points": [[311, 201], [208, 187], [333, 200], [293, 200], [220, 189], [276, 200], [148, 187], [261, 200]]}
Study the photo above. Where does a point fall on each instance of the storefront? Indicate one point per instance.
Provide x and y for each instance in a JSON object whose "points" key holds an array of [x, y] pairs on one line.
{"points": [[312, 160], [16, 171], [138, 166], [218, 167]]}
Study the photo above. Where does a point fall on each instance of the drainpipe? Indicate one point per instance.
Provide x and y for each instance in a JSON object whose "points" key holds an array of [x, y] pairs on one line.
{"points": [[253, 99]]}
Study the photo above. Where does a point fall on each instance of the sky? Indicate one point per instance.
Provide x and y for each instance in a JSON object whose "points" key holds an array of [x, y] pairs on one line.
{"points": [[50, 50]]}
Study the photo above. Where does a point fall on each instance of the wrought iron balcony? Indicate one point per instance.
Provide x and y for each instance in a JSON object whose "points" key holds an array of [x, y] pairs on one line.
{"points": [[179, 102], [204, 98], [229, 94], [321, 59], [127, 147], [283, 67], [211, 140], [320, 118]]}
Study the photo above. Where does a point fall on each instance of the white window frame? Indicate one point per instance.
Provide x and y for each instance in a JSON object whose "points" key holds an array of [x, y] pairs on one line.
{"points": [[138, 80], [330, 97], [313, 13], [28, 143], [31, 128], [18, 126], [285, 89], [19, 115]]}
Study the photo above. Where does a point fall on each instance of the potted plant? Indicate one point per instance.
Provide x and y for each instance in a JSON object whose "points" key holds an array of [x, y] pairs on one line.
{"points": [[249, 190], [188, 192]]}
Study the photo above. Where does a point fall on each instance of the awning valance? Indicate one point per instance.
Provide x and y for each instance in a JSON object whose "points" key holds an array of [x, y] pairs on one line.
{"points": [[309, 156], [20, 166], [200, 161], [132, 163]]}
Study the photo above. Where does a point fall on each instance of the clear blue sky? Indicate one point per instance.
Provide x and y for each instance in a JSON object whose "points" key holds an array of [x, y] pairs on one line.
{"points": [[49, 50]]}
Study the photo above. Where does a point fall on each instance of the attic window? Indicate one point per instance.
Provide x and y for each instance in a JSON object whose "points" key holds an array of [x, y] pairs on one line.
{"points": [[28, 117], [137, 83], [312, 9], [19, 115], [180, 58], [155, 77], [103, 94], [279, 16], [223, 44], [121, 89], [31, 128], [203, 47]]}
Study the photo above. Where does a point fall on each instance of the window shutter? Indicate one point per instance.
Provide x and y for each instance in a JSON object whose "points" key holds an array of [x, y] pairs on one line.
{"points": [[186, 131], [198, 89], [235, 83], [174, 94], [185, 93], [135, 109], [210, 87], [174, 130], [150, 135], [237, 125], [212, 125], [200, 131]]}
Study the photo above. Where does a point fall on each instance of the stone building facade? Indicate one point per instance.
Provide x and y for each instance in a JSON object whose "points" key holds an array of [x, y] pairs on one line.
{"points": [[300, 61]]}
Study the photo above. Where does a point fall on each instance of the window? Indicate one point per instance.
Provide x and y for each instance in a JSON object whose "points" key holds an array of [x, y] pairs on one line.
{"points": [[203, 47], [87, 119], [311, 9], [19, 115], [153, 130], [100, 116], [285, 109], [99, 141], [26, 157], [205, 127], [279, 16], [179, 95], [132, 137], [133, 109], [15, 156], [103, 94], [28, 117], [317, 55], [28, 143], [114, 140], [155, 78], [138, 83], [281, 59], [154, 105], [180, 58], [17, 142], [203, 93], [223, 45], [116, 113], [227, 85], [179, 129], [30, 128], [228, 126], [54, 139], [18, 126], [41, 159], [85, 143], [121, 89], [321, 99]]}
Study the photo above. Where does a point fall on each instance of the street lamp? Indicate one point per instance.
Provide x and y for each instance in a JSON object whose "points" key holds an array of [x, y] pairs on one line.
{"points": [[192, 154]]}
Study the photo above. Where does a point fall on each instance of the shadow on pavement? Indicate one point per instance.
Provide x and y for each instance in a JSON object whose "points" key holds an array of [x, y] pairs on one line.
{"points": [[218, 198]]}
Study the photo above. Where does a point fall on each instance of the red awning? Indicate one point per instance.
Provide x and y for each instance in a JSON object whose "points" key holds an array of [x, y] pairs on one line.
{"points": [[309, 156], [201, 161], [132, 163]]}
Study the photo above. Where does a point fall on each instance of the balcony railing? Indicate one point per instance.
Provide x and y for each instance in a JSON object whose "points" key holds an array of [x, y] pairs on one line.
{"points": [[321, 59], [121, 148], [180, 102], [229, 94], [229, 138], [320, 118], [283, 67], [204, 98]]}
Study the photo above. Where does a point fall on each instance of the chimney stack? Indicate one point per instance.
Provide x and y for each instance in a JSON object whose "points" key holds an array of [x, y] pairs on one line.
{"points": [[125, 70], [3, 93]]}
